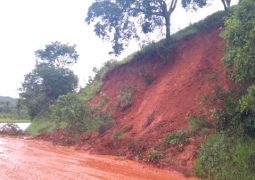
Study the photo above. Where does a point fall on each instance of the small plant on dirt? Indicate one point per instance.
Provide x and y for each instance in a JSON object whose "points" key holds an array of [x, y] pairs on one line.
{"points": [[126, 96], [150, 119], [155, 156], [178, 138], [117, 135], [204, 99], [120, 152], [126, 128], [148, 79], [137, 148], [196, 123]]}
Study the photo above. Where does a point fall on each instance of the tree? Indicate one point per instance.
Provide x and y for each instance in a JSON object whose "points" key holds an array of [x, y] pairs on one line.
{"points": [[226, 4], [50, 78], [201, 3], [57, 54], [122, 20]]}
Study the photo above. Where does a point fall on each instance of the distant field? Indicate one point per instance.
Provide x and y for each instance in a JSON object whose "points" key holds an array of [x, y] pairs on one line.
{"points": [[14, 121]]}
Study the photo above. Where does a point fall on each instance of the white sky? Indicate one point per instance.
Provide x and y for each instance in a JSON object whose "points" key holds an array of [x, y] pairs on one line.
{"points": [[28, 25]]}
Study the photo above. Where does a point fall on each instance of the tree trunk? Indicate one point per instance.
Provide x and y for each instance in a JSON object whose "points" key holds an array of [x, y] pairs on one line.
{"points": [[226, 4], [168, 30]]}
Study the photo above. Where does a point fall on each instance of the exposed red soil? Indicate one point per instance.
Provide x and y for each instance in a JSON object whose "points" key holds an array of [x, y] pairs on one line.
{"points": [[193, 70]]}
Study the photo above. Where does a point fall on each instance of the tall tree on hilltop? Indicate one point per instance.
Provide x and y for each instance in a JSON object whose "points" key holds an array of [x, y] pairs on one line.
{"points": [[122, 20]]}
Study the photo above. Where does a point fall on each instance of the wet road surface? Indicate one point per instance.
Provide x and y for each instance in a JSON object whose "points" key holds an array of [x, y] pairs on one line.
{"points": [[22, 159]]}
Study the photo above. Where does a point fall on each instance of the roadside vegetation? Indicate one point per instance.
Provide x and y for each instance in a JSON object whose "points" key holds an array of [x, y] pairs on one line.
{"points": [[229, 153]]}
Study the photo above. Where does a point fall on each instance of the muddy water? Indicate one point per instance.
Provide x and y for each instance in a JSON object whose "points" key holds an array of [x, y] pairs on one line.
{"points": [[22, 159]]}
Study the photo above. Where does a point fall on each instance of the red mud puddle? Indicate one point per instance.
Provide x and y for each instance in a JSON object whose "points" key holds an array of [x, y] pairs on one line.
{"points": [[38, 160]]}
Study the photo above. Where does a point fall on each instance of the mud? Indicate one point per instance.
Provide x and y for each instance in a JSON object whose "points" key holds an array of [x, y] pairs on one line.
{"points": [[39, 160]]}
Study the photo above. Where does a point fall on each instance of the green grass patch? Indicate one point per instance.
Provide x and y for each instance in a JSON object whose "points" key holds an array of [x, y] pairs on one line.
{"points": [[14, 121], [178, 138], [38, 126], [223, 156]]}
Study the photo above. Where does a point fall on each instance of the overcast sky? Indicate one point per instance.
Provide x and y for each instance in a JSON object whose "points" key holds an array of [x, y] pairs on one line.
{"points": [[28, 25]]}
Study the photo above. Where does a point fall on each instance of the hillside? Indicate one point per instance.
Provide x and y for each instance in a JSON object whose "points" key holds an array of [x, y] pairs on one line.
{"points": [[161, 106], [5, 99]]}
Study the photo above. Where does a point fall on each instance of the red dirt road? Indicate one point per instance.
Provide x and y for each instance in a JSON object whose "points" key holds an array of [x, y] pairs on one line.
{"points": [[38, 160]]}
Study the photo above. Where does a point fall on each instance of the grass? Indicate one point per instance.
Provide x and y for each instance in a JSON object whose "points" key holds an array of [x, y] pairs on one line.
{"points": [[155, 156], [38, 126], [223, 156], [14, 121], [126, 96]]}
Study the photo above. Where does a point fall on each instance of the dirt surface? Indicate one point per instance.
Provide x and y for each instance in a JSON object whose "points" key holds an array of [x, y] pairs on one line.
{"points": [[22, 159]]}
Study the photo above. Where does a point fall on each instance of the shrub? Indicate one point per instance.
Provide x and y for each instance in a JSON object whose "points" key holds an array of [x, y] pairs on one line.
{"points": [[226, 157], [239, 34], [178, 138], [137, 148], [155, 156], [196, 123], [71, 109], [126, 96], [148, 79], [117, 135]]}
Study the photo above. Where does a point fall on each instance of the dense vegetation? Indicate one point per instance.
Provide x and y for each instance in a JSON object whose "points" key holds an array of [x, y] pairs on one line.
{"points": [[50, 78], [229, 152]]}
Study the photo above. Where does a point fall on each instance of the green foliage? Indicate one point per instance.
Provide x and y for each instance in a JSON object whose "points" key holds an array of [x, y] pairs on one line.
{"points": [[50, 79], [94, 85], [196, 123], [72, 110], [155, 156], [57, 54], [239, 34], [247, 102], [38, 126], [226, 157], [117, 135], [122, 20], [138, 149], [78, 115], [126, 96], [178, 138], [148, 79], [193, 3]]}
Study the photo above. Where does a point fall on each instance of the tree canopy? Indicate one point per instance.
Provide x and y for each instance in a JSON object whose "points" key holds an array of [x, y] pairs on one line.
{"points": [[201, 3], [50, 78], [57, 54], [122, 20]]}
